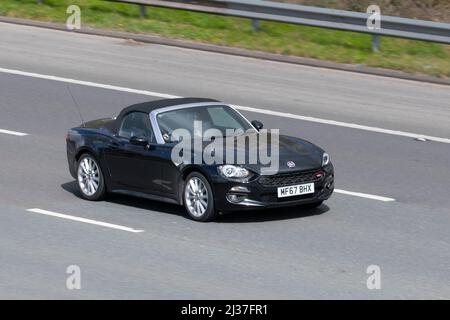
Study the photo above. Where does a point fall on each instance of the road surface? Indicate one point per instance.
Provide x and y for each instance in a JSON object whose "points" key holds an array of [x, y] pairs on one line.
{"points": [[400, 222]]}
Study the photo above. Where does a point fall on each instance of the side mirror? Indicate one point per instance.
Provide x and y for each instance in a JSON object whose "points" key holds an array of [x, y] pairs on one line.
{"points": [[139, 141], [257, 124]]}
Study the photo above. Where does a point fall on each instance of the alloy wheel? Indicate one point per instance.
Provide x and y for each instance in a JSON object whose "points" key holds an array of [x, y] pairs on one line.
{"points": [[88, 176], [196, 197]]}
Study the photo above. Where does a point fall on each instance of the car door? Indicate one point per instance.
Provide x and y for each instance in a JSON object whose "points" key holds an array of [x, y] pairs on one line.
{"points": [[135, 167]]}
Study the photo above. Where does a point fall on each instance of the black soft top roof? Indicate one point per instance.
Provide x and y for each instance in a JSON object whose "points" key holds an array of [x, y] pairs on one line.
{"points": [[149, 106]]}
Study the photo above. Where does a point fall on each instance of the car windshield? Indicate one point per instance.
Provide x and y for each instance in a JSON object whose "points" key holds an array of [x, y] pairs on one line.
{"points": [[217, 117]]}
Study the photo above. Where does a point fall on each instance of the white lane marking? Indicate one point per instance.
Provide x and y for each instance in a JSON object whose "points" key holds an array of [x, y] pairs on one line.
{"points": [[364, 195], [244, 108], [345, 124], [74, 218], [14, 133], [87, 83]]}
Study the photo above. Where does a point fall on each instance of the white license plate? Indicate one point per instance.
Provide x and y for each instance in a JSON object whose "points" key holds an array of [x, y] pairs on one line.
{"points": [[295, 190]]}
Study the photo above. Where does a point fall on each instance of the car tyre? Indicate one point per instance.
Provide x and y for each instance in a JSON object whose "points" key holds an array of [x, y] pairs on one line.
{"points": [[198, 198], [90, 180]]}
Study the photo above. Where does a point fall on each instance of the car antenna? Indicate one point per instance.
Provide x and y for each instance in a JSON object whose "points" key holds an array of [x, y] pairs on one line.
{"points": [[76, 105]]}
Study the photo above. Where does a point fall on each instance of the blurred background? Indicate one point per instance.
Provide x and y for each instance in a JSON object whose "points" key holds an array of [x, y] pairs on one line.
{"points": [[435, 10], [410, 56]]}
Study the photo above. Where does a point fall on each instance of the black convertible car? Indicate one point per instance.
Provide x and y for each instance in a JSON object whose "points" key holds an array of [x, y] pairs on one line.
{"points": [[133, 154]]}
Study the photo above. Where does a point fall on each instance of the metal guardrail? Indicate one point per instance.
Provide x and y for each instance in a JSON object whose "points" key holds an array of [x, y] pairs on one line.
{"points": [[309, 16]]}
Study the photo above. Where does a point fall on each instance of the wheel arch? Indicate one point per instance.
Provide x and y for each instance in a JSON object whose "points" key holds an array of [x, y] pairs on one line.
{"points": [[185, 173], [86, 150]]}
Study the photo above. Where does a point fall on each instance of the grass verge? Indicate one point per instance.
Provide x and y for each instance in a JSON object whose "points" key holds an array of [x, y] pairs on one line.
{"points": [[338, 46]]}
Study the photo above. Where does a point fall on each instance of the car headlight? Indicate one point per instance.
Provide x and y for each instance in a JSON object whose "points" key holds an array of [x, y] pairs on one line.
{"points": [[325, 159], [234, 172]]}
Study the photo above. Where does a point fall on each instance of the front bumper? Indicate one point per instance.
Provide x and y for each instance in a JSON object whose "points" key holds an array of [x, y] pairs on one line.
{"points": [[255, 195]]}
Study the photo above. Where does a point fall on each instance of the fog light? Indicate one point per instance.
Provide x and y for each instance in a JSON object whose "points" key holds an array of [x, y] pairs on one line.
{"points": [[235, 198]]}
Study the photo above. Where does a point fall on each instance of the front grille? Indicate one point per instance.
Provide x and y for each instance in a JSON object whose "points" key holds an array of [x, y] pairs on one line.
{"points": [[287, 179]]}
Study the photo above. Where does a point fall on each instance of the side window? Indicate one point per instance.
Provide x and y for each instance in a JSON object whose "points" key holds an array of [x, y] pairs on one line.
{"points": [[136, 124], [221, 117]]}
